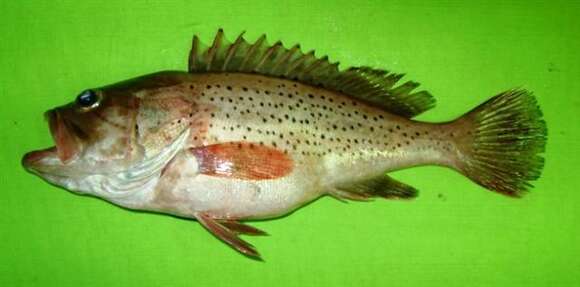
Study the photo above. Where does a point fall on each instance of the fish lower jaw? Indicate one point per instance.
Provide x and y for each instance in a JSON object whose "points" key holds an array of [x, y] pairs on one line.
{"points": [[35, 160]]}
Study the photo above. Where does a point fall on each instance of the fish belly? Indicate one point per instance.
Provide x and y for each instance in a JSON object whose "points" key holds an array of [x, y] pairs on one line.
{"points": [[183, 191]]}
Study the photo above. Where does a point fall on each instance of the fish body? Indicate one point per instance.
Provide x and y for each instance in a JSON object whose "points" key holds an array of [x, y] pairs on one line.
{"points": [[324, 138], [256, 131]]}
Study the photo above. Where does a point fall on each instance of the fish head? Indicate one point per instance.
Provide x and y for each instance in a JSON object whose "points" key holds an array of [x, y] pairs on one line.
{"points": [[107, 140], [93, 135]]}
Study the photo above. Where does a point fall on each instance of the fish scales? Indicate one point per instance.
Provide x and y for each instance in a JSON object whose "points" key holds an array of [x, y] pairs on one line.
{"points": [[253, 131], [314, 124]]}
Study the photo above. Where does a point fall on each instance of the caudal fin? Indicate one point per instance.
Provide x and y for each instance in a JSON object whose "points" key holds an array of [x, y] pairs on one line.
{"points": [[505, 138]]}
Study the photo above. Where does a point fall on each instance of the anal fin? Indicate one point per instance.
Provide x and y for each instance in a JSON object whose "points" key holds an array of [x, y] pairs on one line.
{"points": [[228, 231], [381, 186]]}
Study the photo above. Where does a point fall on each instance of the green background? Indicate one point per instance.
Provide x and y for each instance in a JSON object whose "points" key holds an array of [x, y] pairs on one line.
{"points": [[454, 234]]}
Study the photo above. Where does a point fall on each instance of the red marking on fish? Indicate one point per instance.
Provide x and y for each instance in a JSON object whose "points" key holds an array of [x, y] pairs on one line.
{"points": [[243, 160]]}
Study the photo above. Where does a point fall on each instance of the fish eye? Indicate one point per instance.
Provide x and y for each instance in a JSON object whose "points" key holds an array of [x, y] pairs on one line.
{"points": [[87, 99]]}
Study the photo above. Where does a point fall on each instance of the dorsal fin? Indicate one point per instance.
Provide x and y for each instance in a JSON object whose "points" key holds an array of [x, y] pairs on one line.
{"points": [[376, 87]]}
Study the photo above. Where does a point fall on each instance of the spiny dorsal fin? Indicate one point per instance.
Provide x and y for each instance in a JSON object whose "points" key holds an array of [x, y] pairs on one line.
{"points": [[373, 86], [381, 186]]}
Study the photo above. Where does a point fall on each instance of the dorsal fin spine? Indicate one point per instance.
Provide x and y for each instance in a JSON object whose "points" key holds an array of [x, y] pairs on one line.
{"points": [[232, 51], [193, 54], [213, 49], [288, 54], [349, 81], [251, 51], [312, 67], [296, 63], [267, 55]]}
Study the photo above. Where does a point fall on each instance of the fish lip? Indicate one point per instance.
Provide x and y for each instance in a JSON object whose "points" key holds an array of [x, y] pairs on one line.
{"points": [[64, 135], [66, 146]]}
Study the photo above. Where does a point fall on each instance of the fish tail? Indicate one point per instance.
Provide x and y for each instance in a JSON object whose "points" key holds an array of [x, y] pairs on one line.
{"points": [[501, 142]]}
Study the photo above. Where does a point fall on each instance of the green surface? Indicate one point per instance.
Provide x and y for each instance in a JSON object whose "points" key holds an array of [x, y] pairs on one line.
{"points": [[454, 234]]}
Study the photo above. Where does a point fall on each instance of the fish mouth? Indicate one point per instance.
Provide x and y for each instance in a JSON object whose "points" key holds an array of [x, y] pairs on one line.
{"points": [[67, 145]]}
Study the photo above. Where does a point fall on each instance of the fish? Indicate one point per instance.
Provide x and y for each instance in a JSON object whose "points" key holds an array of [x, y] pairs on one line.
{"points": [[254, 131]]}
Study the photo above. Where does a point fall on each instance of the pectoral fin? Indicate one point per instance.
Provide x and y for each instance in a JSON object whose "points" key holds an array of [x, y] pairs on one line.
{"points": [[381, 186], [228, 232]]}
